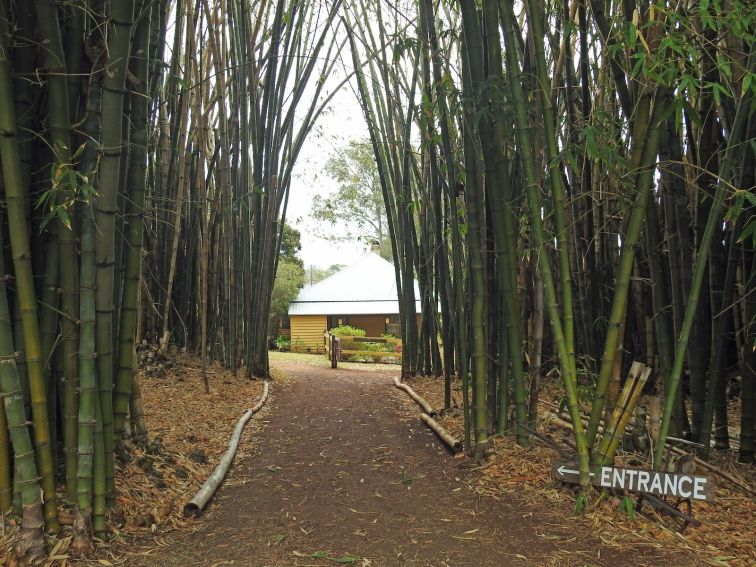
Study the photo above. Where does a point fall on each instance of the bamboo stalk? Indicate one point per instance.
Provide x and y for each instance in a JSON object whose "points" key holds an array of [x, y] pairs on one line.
{"points": [[19, 230], [6, 464], [612, 435], [523, 131], [106, 210], [137, 173], [422, 402], [195, 506], [31, 543], [454, 444], [733, 147]]}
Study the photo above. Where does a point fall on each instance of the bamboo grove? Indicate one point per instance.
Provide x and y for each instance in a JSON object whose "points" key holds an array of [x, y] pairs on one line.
{"points": [[571, 183], [147, 155]]}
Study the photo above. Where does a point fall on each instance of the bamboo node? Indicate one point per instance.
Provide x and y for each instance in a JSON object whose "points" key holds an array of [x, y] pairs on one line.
{"points": [[34, 480], [22, 455]]}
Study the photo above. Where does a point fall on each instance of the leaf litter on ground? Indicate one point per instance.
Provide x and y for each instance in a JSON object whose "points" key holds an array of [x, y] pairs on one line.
{"points": [[728, 528], [154, 481]]}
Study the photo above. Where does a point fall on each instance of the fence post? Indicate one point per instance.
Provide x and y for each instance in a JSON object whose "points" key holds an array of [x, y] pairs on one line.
{"points": [[333, 351]]}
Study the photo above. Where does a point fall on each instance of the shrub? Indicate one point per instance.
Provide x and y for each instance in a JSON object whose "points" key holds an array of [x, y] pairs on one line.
{"points": [[347, 331], [374, 347], [283, 343]]}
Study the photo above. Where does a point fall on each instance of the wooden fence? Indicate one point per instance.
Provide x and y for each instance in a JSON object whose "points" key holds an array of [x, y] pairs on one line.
{"points": [[334, 351]]}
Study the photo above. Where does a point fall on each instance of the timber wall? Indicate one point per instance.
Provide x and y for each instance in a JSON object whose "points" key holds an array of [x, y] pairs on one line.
{"points": [[307, 333], [373, 325]]}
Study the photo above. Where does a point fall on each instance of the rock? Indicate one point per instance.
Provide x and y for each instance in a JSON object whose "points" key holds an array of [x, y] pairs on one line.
{"points": [[181, 472]]}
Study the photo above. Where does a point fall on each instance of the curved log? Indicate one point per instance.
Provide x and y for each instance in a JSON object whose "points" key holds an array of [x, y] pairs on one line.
{"points": [[453, 443], [422, 402], [200, 500]]}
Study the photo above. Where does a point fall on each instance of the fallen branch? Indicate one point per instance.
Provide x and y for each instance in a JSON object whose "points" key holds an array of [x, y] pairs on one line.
{"points": [[200, 500], [548, 441], [422, 402], [453, 443], [716, 470]]}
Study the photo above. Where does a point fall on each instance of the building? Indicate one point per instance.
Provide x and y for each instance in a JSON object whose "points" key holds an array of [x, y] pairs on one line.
{"points": [[362, 295]]}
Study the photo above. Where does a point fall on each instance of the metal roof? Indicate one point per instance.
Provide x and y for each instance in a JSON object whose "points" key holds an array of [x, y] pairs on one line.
{"points": [[367, 287]]}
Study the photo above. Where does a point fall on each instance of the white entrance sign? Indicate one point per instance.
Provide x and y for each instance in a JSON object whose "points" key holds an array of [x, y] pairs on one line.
{"points": [[653, 482], [677, 485]]}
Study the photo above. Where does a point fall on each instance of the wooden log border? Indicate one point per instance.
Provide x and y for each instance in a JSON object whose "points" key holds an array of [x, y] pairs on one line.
{"points": [[195, 506], [422, 402], [452, 442]]}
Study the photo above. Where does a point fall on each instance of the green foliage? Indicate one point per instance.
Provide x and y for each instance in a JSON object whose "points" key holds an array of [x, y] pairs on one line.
{"points": [[581, 503], [291, 244], [68, 187], [283, 343], [290, 278], [356, 210], [627, 506], [347, 331], [374, 347]]}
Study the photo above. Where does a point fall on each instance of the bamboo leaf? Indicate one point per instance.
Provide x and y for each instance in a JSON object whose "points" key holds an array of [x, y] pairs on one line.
{"points": [[581, 503], [64, 218], [628, 506], [344, 559]]}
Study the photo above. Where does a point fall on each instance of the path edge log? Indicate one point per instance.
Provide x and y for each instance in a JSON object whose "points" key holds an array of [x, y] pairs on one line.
{"points": [[453, 443], [422, 402], [195, 506]]}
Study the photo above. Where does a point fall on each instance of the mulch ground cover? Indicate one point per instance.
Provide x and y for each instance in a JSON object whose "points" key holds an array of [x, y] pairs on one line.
{"points": [[726, 536], [338, 469], [188, 432]]}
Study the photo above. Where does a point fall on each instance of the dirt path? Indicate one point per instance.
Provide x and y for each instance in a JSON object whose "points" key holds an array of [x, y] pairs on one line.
{"points": [[338, 472]]}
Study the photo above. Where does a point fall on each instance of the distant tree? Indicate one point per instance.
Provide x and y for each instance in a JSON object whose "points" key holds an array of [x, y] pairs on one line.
{"points": [[291, 245], [315, 274], [290, 277], [357, 206]]}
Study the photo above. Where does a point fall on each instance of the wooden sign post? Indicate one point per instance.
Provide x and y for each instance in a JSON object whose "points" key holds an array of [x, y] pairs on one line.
{"points": [[679, 485]]}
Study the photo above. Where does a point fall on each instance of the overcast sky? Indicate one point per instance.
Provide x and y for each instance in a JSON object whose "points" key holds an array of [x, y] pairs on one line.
{"points": [[332, 133]]}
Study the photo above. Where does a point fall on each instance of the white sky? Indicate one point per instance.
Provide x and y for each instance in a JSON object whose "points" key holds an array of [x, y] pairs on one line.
{"points": [[333, 131]]}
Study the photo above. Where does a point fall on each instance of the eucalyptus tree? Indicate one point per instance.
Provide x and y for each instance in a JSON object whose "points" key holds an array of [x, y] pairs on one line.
{"points": [[357, 206]]}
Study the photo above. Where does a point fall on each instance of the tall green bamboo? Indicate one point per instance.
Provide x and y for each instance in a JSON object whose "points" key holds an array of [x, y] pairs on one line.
{"points": [[501, 205], [732, 153], [6, 465], [121, 18], [137, 176], [31, 544], [646, 141], [558, 193], [523, 131], [475, 229], [15, 195], [88, 389], [60, 134]]}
